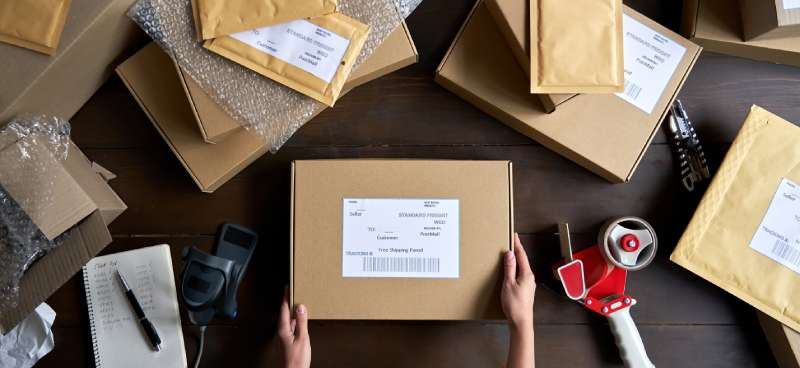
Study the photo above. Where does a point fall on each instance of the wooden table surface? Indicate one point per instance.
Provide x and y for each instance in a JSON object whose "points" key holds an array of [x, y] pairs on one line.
{"points": [[684, 320]]}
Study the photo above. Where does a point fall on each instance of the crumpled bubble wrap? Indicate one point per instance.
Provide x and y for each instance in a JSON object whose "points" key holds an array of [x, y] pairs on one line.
{"points": [[21, 241], [271, 109]]}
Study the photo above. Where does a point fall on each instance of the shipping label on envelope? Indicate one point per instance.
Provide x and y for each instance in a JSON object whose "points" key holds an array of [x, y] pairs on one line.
{"points": [[778, 236]]}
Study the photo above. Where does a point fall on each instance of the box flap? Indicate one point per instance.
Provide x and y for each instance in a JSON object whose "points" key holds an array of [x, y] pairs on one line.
{"points": [[482, 70], [40, 185], [50, 272], [783, 341], [95, 186]]}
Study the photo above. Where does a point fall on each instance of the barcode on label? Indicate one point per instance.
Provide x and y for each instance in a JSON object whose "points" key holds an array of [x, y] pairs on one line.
{"points": [[632, 90], [400, 264], [786, 252]]}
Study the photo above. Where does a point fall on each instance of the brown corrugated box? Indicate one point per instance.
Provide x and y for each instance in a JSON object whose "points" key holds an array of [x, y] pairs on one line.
{"points": [[215, 124], [601, 132], [485, 194], [96, 34], [717, 26], [762, 19], [784, 342], [82, 201], [151, 77], [511, 17]]}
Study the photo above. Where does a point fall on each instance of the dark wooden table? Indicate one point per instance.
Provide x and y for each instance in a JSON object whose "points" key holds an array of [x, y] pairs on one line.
{"points": [[684, 320]]}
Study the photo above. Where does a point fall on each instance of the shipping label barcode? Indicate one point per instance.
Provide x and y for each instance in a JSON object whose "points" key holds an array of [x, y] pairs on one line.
{"points": [[632, 90], [786, 252], [400, 264]]}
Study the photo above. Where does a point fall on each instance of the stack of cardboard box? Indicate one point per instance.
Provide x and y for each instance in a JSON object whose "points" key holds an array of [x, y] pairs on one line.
{"points": [[606, 133], [212, 146], [766, 30]]}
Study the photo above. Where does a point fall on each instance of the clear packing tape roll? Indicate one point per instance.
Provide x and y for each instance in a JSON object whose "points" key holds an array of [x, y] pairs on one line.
{"points": [[21, 241], [271, 109]]}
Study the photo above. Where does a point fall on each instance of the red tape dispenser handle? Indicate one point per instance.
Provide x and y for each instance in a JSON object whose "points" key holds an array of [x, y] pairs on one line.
{"points": [[571, 273]]}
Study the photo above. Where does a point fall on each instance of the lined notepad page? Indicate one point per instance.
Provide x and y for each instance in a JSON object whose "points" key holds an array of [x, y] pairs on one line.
{"points": [[119, 341]]}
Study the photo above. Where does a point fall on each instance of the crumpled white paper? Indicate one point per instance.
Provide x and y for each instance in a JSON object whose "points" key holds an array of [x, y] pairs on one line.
{"points": [[32, 339]]}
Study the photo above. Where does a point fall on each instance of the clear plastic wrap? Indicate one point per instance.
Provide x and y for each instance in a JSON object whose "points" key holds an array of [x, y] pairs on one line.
{"points": [[271, 109], [21, 241]]}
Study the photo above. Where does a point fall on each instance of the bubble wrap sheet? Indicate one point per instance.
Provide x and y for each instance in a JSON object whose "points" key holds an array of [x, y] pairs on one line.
{"points": [[21, 241], [271, 109]]}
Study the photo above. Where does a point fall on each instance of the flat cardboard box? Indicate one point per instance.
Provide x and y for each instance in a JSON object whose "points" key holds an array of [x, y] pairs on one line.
{"points": [[762, 19], [717, 26], [511, 17], [783, 341], [733, 240], [151, 78], [215, 124], [89, 233], [485, 194], [601, 132], [96, 34]]}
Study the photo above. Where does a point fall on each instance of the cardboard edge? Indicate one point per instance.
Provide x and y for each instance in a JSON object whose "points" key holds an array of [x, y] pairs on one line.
{"points": [[666, 112], [689, 18], [778, 339], [192, 104], [523, 59], [411, 42], [120, 72], [511, 204], [291, 234], [456, 38]]}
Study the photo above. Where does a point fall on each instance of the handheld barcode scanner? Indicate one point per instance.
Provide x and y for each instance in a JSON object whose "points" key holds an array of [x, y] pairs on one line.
{"points": [[596, 277], [209, 282]]}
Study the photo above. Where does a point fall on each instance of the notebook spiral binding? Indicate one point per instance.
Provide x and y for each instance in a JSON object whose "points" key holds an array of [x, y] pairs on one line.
{"points": [[92, 325]]}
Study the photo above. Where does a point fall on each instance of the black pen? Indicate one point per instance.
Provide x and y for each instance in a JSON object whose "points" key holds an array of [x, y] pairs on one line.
{"points": [[148, 327]]}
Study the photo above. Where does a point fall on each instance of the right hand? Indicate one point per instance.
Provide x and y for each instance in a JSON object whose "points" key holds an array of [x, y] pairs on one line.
{"points": [[519, 287], [295, 344]]}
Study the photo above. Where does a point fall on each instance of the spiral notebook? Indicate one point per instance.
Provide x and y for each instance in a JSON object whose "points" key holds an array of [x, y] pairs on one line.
{"points": [[117, 337]]}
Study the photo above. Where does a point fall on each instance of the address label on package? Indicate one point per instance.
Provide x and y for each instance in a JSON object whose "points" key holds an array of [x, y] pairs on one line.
{"points": [[650, 61], [399, 237], [778, 235], [791, 4], [300, 43]]}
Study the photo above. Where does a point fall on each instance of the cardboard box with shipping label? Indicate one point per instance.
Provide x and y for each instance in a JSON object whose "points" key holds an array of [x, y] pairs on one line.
{"points": [[511, 17], [762, 19], [606, 133], [400, 239], [717, 26], [743, 236], [175, 104], [96, 34], [76, 200]]}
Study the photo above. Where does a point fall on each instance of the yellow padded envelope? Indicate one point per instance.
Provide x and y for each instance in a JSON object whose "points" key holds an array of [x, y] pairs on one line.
{"points": [[215, 18], [33, 24], [716, 244]]}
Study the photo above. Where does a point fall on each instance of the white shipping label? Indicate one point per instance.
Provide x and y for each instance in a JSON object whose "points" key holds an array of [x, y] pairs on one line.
{"points": [[391, 237], [778, 236], [791, 4], [650, 61], [302, 44]]}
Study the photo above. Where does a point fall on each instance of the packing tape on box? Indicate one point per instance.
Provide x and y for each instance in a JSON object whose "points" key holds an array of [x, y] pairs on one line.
{"points": [[23, 142], [272, 110]]}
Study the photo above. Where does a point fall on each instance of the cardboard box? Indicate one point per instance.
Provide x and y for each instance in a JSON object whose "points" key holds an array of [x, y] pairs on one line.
{"points": [[734, 240], [82, 202], [784, 342], [602, 132], [770, 18], [151, 78], [717, 26], [484, 194], [511, 17], [96, 34], [215, 124]]}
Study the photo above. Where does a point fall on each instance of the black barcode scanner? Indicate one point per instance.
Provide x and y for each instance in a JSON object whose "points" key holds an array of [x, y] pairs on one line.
{"points": [[209, 282]]}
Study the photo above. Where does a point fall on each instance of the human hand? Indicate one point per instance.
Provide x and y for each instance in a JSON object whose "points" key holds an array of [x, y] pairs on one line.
{"points": [[519, 287], [295, 344]]}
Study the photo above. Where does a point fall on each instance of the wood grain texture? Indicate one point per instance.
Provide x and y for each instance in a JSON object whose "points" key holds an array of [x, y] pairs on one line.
{"points": [[685, 321]]}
